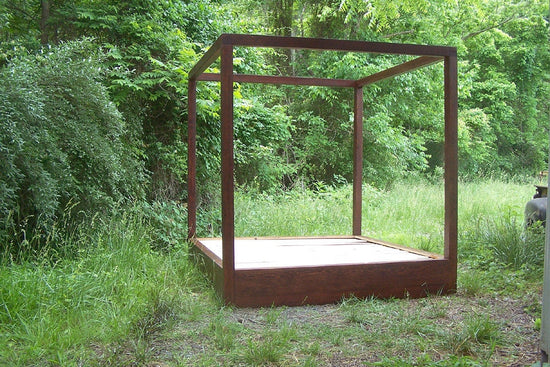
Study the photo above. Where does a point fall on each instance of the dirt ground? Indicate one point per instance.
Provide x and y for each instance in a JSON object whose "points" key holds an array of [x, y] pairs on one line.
{"points": [[520, 345], [379, 331]]}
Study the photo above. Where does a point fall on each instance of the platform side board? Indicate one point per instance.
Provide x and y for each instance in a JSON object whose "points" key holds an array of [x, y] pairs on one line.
{"points": [[330, 284]]}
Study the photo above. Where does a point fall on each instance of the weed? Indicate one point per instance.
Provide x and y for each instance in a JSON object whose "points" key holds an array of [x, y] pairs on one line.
{"points": [[117, 289], [272, 315], [117, 292], [159, 311], [262, 352], [312, 348], [224, 333], [434, 307], [355, 310], [511, 244], [310, 362], [465, 338], [471, 282], [504, 240]]}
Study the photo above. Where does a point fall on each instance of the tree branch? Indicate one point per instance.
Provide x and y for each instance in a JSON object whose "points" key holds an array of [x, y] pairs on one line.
{"points": [[25, 13], [476, 33], [398, 33]]}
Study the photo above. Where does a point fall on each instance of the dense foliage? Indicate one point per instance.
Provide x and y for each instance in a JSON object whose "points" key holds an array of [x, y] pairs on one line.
{"points": [[62, 140], [103, 120]]}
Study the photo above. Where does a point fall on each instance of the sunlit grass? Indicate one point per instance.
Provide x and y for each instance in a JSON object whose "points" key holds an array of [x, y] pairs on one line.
{"points": [[130, 285], [410, 214], [117, 289]]}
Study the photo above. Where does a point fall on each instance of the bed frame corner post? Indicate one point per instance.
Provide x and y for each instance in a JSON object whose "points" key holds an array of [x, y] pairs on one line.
{"points": [[191, 158], [451, 166], [357, 160], [227, 173]]}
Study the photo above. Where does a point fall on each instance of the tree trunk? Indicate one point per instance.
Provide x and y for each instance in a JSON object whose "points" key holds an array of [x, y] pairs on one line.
{"points": [[283, 16], [44, 16]]}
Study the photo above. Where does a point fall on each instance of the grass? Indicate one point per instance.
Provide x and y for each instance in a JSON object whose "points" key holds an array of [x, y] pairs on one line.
{"points": [[130, 295], [117, 288]]}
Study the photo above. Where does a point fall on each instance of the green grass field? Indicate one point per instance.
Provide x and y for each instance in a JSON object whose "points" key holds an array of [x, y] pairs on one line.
{"points": [[131, 296]]}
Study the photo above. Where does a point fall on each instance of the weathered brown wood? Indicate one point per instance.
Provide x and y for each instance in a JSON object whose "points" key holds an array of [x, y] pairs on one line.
{"points": [[325, 44], [227, 167], [192, 158], [291, 286], [281, 80], [329, 284], [451, 164], [207, 59], [398, 70], [357, 161], [207, 264]]}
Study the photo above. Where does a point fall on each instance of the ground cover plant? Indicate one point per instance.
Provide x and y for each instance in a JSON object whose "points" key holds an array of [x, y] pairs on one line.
{"points": [[131, 295]]}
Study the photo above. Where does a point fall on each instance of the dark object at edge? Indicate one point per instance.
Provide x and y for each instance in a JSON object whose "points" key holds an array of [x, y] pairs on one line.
{"points": [[535, 209]]}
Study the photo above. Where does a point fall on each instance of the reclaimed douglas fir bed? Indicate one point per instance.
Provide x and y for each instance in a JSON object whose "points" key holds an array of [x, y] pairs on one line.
{"points": [[261, 271]]}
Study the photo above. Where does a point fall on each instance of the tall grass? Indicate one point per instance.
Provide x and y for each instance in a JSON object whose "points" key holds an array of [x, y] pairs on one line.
{"points": [[117, 289], [129, 277], [491, 225], [294, 213], [410, 214]]}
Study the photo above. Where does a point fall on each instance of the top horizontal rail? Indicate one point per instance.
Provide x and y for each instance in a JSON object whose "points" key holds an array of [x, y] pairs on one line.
{"points": [[321, 44], [327, 44], [398, 70], [325, 82], [207, 59], [280, 80]]}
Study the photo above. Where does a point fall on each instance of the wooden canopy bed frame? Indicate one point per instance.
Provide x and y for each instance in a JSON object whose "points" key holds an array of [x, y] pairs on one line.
{"points": [[254, 272]]}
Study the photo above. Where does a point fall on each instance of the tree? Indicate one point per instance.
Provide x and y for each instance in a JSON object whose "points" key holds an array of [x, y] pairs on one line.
{"points": [[150, 47], [62, 141], [503, 60]]}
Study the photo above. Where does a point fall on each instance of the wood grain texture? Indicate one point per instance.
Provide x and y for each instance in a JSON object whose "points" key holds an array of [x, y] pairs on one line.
{"points": [[227, 171], [329, 284], [261, 253]]}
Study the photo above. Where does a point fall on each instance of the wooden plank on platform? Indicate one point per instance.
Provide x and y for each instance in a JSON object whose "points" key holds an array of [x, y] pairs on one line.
{"points": [[303, 252]]}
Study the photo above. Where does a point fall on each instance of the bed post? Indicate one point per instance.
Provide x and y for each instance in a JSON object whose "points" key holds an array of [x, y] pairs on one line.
{"points": [[451, 166], [227, 175], [191, 158], [357, 160]]}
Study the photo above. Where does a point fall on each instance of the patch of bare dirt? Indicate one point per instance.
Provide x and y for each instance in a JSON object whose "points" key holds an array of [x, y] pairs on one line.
{"points": [[518, 343]]}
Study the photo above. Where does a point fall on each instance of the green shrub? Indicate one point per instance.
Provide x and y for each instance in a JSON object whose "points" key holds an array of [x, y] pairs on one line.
{"points": [[169, 220], [61, 141]]}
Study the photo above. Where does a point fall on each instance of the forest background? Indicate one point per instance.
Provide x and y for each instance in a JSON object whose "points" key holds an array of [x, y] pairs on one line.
{"points": [[93, 99]]}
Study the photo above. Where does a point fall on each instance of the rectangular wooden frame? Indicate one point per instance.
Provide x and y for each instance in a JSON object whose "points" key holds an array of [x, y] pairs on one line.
{"points": [[293, 286]]}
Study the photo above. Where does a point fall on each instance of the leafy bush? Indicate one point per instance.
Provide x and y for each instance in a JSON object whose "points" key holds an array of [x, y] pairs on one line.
{"points": [[169, 222], [61, 140]]}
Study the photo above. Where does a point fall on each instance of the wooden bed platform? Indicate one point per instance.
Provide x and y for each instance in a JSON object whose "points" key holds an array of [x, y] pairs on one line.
{"points": [[256, 272], [318, 270]]}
